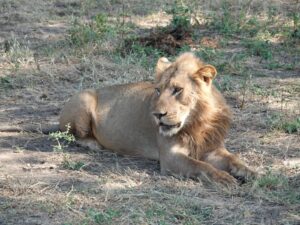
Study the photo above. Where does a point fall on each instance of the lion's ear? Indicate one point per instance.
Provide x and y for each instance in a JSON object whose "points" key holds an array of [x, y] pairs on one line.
{"points": [[207, 73], [162, 64]]}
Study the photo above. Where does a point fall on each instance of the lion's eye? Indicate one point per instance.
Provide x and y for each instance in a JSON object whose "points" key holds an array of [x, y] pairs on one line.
{"points": [[157, 91], [177, 90]]}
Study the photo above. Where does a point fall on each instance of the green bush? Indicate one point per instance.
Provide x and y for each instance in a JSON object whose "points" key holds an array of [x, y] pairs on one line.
{"points": [[81, 34], [233, 20], [63, 139], [181, 15]]}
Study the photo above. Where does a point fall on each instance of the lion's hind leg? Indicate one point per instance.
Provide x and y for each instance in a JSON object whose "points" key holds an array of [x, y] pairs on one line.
{"points": [[78, 113]]}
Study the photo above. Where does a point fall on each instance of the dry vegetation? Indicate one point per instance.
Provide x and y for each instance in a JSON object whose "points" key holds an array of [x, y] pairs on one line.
{"points": [[51, 49]]}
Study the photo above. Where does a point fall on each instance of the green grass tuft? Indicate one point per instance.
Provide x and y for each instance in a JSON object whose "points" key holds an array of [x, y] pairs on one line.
{"points": [[104, 217], [292, 126], [71, 165], [259, 48], [278, 121]]}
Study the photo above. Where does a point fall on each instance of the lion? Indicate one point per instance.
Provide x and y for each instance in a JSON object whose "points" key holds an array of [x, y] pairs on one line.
{"points": [[180, 119]]}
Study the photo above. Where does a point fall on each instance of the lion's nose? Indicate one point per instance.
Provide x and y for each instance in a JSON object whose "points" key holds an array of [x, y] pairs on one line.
{"points": [[159, 115]]}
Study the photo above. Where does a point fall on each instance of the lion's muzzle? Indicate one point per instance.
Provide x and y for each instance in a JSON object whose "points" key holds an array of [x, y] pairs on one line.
{"points": [[159, 115], [166, 126]]}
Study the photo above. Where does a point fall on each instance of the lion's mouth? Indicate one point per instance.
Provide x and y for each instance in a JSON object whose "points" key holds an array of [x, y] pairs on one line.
{"points": [[166, 127]]}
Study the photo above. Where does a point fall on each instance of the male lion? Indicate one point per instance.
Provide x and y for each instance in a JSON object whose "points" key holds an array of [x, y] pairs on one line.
{"points": [[181, 120]]}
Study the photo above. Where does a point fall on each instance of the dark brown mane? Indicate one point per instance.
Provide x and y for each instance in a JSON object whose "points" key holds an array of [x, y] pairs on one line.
{"points": [[208, 125], [209, 121]]}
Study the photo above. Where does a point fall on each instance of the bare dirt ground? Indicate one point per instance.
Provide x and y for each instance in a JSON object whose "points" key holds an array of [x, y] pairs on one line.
{"points": [[39, 72]]}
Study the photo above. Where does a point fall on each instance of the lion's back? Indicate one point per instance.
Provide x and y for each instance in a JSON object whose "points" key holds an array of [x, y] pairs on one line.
{"points": [[123, 119]]}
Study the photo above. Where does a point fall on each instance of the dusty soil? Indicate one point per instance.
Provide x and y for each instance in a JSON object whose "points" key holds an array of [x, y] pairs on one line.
{"points": [[37, 188]]}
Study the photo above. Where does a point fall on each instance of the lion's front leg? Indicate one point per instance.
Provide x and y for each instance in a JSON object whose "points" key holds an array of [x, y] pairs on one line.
{"points": [[239, 169], [174, 159], [224, 160]]}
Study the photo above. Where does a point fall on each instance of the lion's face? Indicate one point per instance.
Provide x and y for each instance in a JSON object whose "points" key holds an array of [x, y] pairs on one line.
{"points": [[177, 90], [173, 102]]}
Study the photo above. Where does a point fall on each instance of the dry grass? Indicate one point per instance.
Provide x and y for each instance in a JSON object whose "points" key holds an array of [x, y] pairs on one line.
{"points": [[40, 69]]}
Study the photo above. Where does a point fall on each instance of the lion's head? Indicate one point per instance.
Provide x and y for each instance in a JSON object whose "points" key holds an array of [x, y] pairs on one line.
{"points": [[183, 91]]}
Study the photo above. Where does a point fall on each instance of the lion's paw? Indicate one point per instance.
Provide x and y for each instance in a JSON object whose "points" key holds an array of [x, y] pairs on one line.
{"points": [[224, 178], [243, 172]]}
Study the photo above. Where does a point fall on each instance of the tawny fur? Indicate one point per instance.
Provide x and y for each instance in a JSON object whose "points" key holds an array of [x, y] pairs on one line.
{"points": [[180, 119]]}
